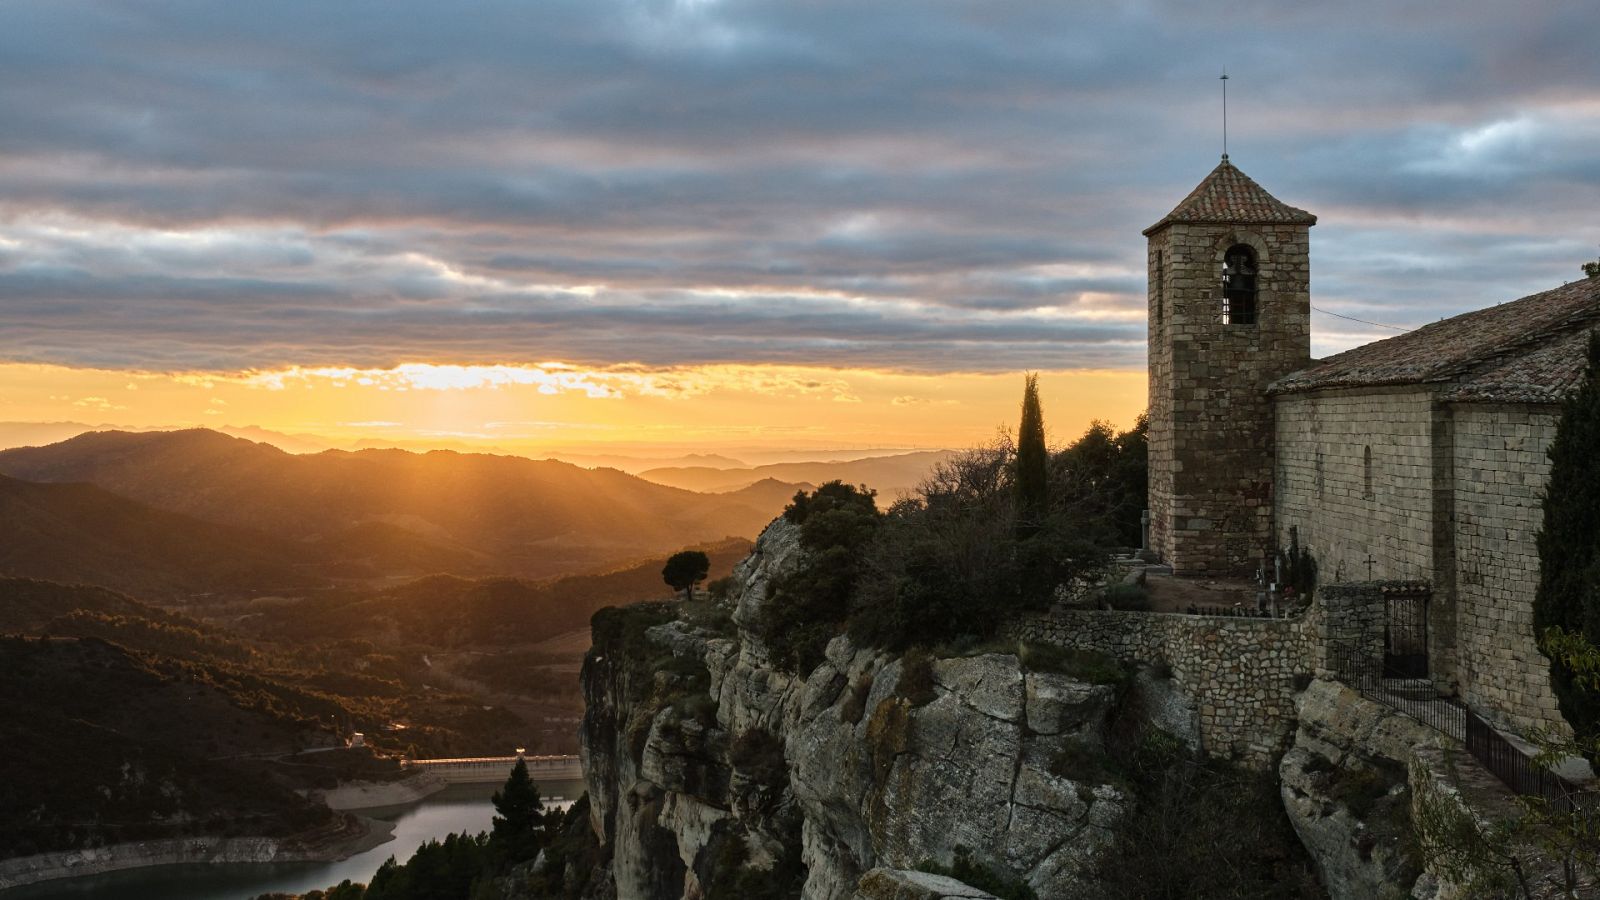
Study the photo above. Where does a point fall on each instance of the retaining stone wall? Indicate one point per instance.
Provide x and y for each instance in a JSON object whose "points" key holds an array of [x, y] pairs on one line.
{"points": [[1501, 470], [1241, 673]]}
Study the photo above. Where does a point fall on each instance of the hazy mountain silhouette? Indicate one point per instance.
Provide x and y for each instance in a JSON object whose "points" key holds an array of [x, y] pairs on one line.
{"points": [[83, 533], [473, 513], [888, 475], [33, 434]]}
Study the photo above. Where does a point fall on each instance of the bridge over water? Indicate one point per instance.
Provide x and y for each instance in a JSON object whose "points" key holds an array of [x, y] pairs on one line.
{"points": [[494, 769]]}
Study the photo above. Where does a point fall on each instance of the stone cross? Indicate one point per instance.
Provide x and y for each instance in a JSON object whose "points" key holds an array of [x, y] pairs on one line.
{"points": [[1370, 561]]}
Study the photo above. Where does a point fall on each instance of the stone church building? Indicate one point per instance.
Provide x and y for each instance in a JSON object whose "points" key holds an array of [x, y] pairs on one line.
{"points": [[1419, 458]]}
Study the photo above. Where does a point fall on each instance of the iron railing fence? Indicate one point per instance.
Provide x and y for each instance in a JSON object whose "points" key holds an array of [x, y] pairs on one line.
{"points": [[1516, 769], [1242, 612], [1367, 674]]}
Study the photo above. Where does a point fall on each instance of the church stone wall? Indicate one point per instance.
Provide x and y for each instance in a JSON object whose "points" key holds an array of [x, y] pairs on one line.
{"points": [[1211, 432], [1501, 469], [1322, 443]]}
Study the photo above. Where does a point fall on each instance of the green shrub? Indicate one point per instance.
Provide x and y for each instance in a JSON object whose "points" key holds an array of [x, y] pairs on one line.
{"points": [[719, 589], [757, 754], [1129, 597], [724, 868], [711, 615], [1200, 830], [809, 607], [964, 869], [1358, 789], [1090, 666], [621, 629], [1077, 761], [1318, 764]]}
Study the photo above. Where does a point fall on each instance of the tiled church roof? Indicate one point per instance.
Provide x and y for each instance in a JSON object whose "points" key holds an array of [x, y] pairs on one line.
{"points": [[1548, 373], [1229, 196], [1531, 350]]}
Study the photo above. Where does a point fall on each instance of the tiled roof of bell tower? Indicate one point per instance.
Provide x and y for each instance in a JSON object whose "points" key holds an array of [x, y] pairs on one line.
{"points": [[1228, 196]]}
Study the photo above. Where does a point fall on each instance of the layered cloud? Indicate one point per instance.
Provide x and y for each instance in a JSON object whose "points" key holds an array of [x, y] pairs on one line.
{"points": [[918, 186]]}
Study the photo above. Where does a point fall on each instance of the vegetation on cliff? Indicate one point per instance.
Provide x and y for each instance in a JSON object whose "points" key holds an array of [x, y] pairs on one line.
{"points": [[1198, 829], [976, 540]]}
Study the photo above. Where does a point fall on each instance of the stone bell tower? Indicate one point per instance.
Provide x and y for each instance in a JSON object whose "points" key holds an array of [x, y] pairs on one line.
{"points": [[1230, 313]]}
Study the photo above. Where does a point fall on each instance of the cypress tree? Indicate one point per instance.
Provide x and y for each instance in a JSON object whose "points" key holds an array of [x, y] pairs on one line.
{"points": [[1032, 461], [1568, 598]]}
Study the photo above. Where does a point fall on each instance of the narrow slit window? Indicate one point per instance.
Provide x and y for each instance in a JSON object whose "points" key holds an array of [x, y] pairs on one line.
{"points": [[1239, 285], [1161, 289], [1366, 473]]}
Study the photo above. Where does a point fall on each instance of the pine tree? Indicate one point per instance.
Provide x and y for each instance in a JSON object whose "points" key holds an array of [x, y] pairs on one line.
{"points": [[518, 830], [1033, 460], [685, 569], [1568, 598]]}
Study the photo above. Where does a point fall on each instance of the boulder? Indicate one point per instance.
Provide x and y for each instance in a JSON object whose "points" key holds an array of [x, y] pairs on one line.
{"points": [[1058, 704]]}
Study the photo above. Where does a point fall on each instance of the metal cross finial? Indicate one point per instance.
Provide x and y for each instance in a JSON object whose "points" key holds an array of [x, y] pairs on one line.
{"points": [[1224, 80]]}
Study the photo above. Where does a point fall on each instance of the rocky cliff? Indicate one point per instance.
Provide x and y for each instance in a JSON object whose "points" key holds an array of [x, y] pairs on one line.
{"points": [[712, 773]]}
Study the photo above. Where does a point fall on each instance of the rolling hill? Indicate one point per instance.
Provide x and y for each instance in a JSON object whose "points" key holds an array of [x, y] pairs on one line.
{"points": [[445, 611], [472, 514], [83, 533]]}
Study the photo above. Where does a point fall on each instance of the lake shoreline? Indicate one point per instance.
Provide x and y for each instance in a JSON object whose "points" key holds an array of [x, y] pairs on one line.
{"points": [[354, 834], [355, 796]]}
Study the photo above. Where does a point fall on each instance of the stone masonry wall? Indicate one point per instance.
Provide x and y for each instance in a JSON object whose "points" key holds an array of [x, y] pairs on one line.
{"points": [[1211, 434], [1322, 444], [1386, 522], [1501, 469], [1241, 673]]}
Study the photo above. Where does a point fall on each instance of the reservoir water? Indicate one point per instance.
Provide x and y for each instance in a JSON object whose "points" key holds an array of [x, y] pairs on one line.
{"points": [[464, 807]]}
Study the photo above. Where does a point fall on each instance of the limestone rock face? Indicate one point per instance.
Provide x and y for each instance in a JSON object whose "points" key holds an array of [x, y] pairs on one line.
{"points": [[777, 551], [1060, 705], [871, 764], [897, 884], [1346, 791], [1359, 853]]}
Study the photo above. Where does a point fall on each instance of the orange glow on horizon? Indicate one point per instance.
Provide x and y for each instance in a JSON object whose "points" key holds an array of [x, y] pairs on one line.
{"points": [[538, 408]]}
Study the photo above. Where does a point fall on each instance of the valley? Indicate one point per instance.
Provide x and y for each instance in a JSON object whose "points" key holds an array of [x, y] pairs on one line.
{"points": [[221, 632]]}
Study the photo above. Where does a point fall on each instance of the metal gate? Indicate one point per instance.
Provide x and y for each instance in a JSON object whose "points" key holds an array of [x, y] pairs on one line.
{"points": [[1405, 637]]}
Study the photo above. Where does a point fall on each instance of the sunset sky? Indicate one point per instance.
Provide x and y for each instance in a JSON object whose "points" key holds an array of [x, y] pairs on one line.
{"points": [[711, 223]]}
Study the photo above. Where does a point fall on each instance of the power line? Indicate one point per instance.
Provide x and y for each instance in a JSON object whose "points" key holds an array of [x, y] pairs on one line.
{"points": [[1354, 319]]}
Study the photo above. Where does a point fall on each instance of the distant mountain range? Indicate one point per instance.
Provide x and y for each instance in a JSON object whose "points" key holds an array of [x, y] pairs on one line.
{"points": [[83, 533], [890, 476], [33, 434], [376, 511]]}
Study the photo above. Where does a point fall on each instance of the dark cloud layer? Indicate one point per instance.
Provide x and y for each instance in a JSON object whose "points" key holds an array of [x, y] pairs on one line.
{"points": [[917, 184]]}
